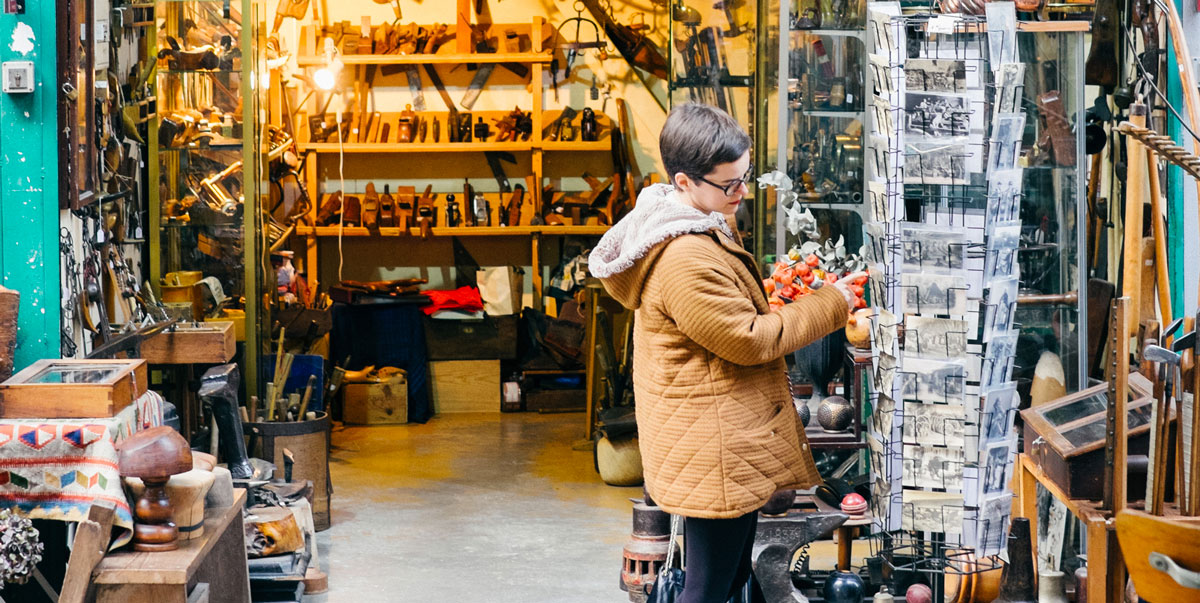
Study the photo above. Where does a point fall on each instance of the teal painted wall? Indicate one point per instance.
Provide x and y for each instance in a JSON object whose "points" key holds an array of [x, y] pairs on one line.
{"points": [[29, 215]]}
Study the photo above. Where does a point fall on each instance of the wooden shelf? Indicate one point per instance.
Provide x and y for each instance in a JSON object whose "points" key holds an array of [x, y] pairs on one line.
{"points": [[415, 147], [459, 231], [430, 59], [604, 144], [455, 147]]}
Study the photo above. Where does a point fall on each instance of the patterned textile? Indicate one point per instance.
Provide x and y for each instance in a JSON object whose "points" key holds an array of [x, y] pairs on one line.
{"points": [[55, 468]]}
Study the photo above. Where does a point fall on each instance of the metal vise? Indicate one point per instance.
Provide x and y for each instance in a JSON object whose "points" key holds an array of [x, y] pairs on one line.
{"points": [[219, 392], [775, 545]]}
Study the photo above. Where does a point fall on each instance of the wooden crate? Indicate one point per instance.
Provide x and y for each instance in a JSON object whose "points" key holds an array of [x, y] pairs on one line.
{"points": [[204, 343], [556, 400], [465, 385], [44, 390], [376, 403]]}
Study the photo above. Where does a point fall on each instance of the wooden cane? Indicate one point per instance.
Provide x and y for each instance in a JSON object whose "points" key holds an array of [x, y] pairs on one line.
{"points": [[1160, 239], [1135, 197]]}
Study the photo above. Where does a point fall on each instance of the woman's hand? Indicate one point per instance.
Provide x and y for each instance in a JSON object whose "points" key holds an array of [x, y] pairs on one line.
{"points": [[851, 287]]}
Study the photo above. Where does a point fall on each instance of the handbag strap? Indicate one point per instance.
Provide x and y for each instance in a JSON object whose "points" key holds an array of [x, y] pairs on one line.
{"points": [[675, 521]]}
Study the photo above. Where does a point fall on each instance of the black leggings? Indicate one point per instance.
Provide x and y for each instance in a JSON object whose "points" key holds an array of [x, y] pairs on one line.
{"points": [[717, 556]]}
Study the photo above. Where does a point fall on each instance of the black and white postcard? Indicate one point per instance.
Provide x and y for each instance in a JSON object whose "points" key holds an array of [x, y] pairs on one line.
{"points": [[1002, 33], [934, 294], [933, 467], [998, 362], [885, 372], [1004, 195], [933, 249], [997, 466], [934, 75], [884, 324], [999, 410], [943, 338], [933, 512], [943, 162], [1010, 83], [1001, 308], [936, 116], [932, 381], [992, 523], [934, 424], [1005, 147], [1001, 261]]}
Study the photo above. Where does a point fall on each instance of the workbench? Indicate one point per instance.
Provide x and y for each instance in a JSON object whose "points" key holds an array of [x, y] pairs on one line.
{"points": [[217, 559]]}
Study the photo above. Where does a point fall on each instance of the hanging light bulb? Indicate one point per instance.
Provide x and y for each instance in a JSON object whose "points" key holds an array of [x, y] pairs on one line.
{"points": [[326, 77]]}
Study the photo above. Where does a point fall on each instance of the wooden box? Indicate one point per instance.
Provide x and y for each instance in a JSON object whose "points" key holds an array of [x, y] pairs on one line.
{"points": [[376, 403], [488, 338], [198, 343], [73, 389], [1066, 438], [556, 400], [465, 385]]}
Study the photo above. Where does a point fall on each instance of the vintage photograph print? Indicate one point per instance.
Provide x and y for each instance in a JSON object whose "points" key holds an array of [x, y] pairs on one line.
{"points": [[935, 75], [933, 294], [936, 162], [936, 115], [932, 381], [933, 468], [934, 424], [926, 337], [934, 249]]}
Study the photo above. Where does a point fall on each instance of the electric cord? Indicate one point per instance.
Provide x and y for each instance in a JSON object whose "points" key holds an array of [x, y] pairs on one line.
{"points": [[1145, 77], [342, 188]]}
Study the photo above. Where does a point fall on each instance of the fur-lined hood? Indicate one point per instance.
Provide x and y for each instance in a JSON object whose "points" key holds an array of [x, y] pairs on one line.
{"points": [[629, 249]]}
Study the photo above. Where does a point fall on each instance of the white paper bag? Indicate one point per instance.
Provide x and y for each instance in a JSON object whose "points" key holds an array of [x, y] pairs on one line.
{"points": [[501, 288]]}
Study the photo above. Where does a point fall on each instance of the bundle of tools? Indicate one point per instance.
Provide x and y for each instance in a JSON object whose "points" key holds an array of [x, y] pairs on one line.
{"points": [[411, 126]]}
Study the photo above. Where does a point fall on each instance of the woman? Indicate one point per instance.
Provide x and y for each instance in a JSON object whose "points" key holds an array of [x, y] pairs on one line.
{"points": [[718, 432]]}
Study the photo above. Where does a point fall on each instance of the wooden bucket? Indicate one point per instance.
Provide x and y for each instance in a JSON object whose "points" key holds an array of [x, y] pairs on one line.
{"points": [[309, 443]]}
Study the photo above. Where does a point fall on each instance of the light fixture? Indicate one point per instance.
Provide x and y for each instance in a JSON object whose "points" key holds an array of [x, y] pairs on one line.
{"points": [[326, 77]]}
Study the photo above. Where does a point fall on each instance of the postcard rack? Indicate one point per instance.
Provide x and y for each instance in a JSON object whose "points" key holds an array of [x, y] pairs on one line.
{"points": [[942, 229]]}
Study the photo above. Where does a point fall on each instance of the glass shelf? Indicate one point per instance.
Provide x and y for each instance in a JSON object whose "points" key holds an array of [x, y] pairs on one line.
{"points": [[209, 184]]}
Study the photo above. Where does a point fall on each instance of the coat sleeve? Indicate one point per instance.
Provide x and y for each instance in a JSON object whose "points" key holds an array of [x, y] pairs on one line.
{"points": [[703, 298]]}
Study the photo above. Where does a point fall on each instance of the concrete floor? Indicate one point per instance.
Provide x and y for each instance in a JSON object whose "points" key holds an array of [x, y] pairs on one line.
{"points": [[472, 508]]}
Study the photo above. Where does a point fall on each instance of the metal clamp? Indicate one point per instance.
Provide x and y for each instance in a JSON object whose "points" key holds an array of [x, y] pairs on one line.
{"points": [[1184, 577]]}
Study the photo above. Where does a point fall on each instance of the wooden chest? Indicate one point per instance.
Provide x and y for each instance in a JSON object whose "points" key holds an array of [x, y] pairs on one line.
{"points": [[73, 389], [199, 343], [1066, 438]]}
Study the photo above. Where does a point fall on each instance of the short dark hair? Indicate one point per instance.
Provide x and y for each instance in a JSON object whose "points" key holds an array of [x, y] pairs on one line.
{"points": [[697, 138]]}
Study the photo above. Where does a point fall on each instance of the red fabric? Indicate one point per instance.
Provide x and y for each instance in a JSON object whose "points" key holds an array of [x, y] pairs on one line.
{"points": [[466, 299]]}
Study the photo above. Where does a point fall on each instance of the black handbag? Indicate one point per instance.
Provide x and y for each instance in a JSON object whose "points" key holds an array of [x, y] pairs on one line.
{"points": [[668, 587]]}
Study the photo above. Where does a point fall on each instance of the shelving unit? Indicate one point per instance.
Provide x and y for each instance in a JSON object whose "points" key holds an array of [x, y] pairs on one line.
{"points": [[219, 245], [537, 58]]}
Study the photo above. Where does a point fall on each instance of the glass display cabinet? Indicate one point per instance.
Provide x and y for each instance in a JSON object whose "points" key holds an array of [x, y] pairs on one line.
{"points": [[712, 51], [207, 158], [1053, 312], [816, 127]]}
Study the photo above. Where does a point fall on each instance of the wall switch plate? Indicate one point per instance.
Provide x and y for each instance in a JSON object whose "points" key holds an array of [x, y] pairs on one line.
{"points": [[17, 77]]}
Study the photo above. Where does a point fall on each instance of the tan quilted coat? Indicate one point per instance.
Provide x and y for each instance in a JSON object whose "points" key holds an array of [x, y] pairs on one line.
{"points": [[718, 432]]}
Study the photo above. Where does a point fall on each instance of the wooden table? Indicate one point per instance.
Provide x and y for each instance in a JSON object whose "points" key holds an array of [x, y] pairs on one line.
{"points": [[1101, 531], [217, 559], [1105, 564]]}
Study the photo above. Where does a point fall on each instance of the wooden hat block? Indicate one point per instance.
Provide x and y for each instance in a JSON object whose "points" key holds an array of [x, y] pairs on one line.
{"points": [[154, 455], [187, 492]]}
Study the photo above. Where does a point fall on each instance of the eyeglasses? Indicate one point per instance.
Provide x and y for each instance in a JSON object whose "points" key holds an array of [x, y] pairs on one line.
{"points": [[733, 186]]}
